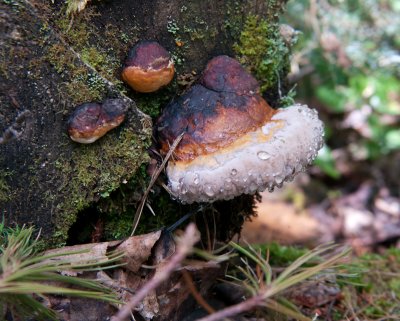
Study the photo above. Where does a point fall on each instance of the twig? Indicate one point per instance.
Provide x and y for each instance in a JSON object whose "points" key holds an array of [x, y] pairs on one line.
{"points": [[184, 247], [173, 227], [303, 72], [195, 293], [154, 177], [249, 304]]}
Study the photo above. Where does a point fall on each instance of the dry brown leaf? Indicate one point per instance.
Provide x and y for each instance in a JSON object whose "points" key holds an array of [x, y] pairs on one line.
{"points": [[136, 250]]}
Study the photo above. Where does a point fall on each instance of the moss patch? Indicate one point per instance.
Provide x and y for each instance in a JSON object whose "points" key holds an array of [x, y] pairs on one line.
{"points": [[4, 187], [79, 35], [94, 171], [262, 50], [120, 212], [373, 291], [82, 84]]}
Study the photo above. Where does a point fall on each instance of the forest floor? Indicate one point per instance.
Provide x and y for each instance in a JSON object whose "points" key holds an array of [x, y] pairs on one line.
{"points": [[367, 287]]}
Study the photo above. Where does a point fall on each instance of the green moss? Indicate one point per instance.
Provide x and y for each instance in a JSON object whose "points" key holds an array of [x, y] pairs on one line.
{"points": [[100, 61], [87, 88], [82, 85], [4, 187], [77, 31], [4, 62], [233, 22], [118, 210], [198, 29], [288, 99], [153, 104], [262, 50], [281, 255], [61, 58], [118, 225], [95, 170], [81, 36], [376, 277]]}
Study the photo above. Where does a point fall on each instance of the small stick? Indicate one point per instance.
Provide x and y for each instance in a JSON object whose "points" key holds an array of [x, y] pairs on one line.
{"points": [[249, 304], [154, 177], [195, 293], [184, 247]]}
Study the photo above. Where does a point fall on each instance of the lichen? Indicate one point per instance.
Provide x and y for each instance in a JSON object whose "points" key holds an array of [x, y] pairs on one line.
{"points": [[262, 50]]}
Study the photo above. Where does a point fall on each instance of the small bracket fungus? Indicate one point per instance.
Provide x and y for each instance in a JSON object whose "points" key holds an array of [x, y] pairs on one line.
{"points": [[148, 67], [90, 121], [234, 143]]}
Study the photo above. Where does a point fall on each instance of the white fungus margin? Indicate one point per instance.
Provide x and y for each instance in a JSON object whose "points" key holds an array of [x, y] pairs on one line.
{"points": [[261, 159]]}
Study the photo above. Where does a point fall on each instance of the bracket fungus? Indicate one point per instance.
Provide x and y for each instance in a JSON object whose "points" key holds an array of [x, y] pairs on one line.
{"points": [[148, 67], [234, 143], [90, 121]]}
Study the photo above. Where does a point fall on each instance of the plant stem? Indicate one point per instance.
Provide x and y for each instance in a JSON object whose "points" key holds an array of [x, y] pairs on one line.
{"points": [[249, 304]]}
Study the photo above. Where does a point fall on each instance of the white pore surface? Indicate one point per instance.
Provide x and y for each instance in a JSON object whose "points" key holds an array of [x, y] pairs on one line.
{"points": [[271, 155]]}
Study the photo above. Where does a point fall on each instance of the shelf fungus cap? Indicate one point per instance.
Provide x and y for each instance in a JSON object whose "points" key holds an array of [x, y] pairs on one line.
{"points": [[148, 67], [90, 121], [234, 143]]}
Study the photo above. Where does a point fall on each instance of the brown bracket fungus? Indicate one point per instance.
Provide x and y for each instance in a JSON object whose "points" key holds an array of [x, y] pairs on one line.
{"points": [[90, 121], [234, 143], [148, 67]]}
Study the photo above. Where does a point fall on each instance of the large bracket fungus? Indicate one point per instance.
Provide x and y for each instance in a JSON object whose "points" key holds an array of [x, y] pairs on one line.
{"points": [[234, 143]]}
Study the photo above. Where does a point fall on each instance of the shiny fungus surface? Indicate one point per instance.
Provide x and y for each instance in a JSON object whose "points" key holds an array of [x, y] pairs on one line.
{"points": [[148, 67], [92, 120], [234, 143]]}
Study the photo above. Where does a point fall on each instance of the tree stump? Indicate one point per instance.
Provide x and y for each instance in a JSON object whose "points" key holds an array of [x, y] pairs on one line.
{"points": [[51, 62]]}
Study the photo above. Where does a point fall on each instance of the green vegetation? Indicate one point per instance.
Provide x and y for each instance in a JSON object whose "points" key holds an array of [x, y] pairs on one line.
{"points": [[100, 61], [82, 85], [369, 284], [371, 287], [118, 210], [263, 51], [23, 270], [348, 60], [255, 275], [280, 255], [85, 175], [88, 173], [4, 187]]}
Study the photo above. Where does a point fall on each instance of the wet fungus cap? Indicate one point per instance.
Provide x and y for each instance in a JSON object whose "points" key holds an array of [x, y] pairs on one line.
{"points": [[148, 67], [225, 74], [90, 121], [234, 143]]}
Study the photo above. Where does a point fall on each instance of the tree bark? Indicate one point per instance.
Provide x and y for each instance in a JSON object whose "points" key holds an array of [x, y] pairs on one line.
{"points": [[51, 62]]}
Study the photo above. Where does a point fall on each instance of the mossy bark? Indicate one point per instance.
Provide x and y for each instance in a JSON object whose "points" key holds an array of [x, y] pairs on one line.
{"points": [[51, 62]]}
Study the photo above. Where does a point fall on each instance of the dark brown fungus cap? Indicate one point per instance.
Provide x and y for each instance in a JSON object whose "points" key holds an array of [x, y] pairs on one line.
{"points": [[233, 142], [215, 113], [226, 74], [148, 67], [90, 121]]}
